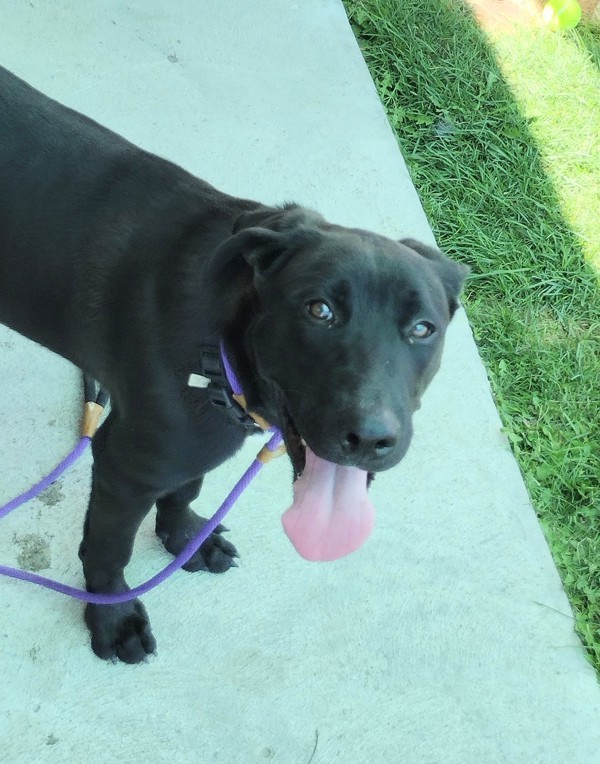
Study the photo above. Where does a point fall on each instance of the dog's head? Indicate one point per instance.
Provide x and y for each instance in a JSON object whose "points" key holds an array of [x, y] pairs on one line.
{"points": [[335, 332]]}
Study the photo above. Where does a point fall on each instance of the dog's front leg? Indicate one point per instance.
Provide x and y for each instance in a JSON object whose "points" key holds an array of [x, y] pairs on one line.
{"points": [[177, 523], [118, 504], [114, 515]]}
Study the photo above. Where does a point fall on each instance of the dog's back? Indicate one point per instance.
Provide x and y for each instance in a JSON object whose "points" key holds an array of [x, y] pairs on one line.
{"points": [[82, 210], [52, 165]]}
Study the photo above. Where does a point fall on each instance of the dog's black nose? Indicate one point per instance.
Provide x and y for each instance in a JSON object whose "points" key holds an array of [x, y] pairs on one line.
{"points": [[373, 438]]}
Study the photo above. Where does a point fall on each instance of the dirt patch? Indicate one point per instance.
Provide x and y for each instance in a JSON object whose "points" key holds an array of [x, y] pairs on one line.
{"points": [[34, 552], [52, 495]]}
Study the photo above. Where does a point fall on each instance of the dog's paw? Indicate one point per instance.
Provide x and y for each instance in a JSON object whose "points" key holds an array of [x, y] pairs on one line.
{"points": [[120, 631], [216, 555]]}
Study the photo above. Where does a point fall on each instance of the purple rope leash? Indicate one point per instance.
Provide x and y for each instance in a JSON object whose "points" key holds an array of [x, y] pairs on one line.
{"points": [[191, 547], [272, 446], [230, 373], [67, 462]]}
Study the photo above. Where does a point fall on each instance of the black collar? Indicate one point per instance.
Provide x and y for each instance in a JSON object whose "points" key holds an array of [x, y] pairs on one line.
{"points": [[213, 379]]}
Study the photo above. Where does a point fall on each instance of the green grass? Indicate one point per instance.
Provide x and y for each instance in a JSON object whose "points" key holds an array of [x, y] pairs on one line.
{"points": [[503, 145], [556, 80]]}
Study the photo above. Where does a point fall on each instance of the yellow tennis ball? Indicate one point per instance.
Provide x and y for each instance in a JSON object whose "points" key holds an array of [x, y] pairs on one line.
{"points": [[562, 14]]}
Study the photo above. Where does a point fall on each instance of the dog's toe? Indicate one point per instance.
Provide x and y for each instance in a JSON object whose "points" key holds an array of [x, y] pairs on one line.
{"points": [[120, 631], [215, 555]]}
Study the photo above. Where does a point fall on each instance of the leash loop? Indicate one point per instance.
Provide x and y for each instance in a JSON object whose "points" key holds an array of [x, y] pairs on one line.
{"points": [[93, 408]]}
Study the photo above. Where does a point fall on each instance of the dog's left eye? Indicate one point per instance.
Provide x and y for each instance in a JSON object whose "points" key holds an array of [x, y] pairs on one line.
{"points": [[320, 310], [422, 330]]}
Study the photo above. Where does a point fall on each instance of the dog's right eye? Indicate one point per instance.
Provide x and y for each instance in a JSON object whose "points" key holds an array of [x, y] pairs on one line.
{"points": [[320, 310], [422, 330]]}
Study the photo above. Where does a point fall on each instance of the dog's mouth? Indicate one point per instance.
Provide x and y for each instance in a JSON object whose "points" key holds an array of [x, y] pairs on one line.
{"points": [[331, 515], [296, 447]]}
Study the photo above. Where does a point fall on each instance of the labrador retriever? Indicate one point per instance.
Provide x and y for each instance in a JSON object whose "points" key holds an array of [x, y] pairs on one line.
{"points": [[138, 272]]}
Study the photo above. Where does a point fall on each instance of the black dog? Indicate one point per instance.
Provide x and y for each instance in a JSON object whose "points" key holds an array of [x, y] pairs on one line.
{"points": [[136, 272]]}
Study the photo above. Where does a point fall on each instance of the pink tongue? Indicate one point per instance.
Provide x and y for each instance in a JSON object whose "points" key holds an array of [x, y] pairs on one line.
{"points": [[331, 515]]}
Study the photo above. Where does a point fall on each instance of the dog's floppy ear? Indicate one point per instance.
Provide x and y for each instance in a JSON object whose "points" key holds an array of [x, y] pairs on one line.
{"points": [[237, 267], [254, 254], [255, 247], [265, 250], [266, 237], [262, 249], [451, 274], [258, 247]]}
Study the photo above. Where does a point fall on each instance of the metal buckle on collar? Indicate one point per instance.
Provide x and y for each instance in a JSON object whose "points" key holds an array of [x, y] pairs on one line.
{"points": [[213, 379], [211, 365]]}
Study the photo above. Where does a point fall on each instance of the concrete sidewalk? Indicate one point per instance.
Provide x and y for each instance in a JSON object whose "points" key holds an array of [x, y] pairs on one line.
{"points": [[447, 638]]}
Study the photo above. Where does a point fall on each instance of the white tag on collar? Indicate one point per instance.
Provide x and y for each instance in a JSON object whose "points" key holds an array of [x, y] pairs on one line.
{"points": [[197, 380]]}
